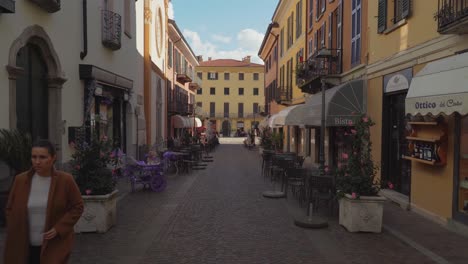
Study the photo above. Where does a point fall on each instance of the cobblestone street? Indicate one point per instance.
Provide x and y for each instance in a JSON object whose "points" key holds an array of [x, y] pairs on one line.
{"points": [[219, 216]]}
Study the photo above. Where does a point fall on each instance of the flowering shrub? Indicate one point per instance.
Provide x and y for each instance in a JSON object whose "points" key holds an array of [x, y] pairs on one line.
{"points": [[357, 175], [90, 166]]}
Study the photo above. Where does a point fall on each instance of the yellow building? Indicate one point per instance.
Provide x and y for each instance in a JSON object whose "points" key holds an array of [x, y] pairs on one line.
{"points": [[232, 94], [415, 67]]}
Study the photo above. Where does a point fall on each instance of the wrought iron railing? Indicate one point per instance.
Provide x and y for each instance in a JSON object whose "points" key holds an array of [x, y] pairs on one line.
{"points": [[451, 11], [111, 30], [323, 62], [284, 94], [234, 115]]}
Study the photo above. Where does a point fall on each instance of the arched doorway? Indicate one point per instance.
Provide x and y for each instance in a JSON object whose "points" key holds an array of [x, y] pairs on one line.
{"points": [[226, 128], [36, 79]]}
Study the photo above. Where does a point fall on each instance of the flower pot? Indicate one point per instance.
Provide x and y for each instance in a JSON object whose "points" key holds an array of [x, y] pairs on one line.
{"points": [[100, 213], [363, 214]]}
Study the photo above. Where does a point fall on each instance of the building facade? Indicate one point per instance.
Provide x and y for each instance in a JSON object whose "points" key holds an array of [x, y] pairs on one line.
{"points": [[66, 67], [416, 95], [182, 83], [232, 96]]}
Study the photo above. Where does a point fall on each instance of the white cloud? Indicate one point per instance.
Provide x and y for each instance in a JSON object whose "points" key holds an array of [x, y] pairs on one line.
{"points": [[221, 38], [170, 11], [249, 42]]}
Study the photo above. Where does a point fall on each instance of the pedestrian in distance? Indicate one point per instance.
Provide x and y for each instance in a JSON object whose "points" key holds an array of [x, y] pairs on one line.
{"points": [[43, 206]]}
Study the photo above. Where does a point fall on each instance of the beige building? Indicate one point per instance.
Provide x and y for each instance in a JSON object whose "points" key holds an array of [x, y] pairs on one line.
{"points": [[232, 95], [70, 64]]}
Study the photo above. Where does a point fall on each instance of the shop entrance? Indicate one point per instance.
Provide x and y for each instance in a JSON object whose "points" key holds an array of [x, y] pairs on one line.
{"points": [[395, 129], [226, 128]]}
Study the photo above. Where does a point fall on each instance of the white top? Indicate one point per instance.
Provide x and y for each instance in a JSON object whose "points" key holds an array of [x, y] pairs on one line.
{"points": [[37, 206]]}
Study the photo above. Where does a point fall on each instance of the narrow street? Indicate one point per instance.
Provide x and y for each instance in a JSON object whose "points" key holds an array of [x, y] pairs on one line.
{"points": [[219, 216]]}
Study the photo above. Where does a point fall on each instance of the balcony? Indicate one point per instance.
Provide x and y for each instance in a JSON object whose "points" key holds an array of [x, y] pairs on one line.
{"points": [[111, 30], [241, 115], [452, 17], [323, 63], [284, 95], [50, 6], [195, 84], [183, 75], [178, 107], [7, 6]]}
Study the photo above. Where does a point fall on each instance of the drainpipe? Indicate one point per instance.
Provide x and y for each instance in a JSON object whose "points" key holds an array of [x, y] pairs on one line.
{"points": [[85, 31], [147, 70]]}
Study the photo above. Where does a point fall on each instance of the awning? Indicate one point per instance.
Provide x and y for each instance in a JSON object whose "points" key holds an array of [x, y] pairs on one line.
{"points": [[180, 121], [198, 122], [284, 117], [343, 104], [441, 87], [271, 121], [264, 122]]}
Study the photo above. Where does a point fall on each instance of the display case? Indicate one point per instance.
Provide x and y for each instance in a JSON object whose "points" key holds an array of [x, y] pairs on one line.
{"points": [[428, 142]]}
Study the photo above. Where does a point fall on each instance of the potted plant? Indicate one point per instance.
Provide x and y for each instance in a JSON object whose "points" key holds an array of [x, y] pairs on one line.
{"points": [[361, 208], [91, 166], [15, 152], [277, 140], [266, 140]]}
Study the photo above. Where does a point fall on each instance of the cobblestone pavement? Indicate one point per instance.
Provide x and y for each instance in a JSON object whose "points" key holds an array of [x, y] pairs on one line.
{"points": [[219, 216]]}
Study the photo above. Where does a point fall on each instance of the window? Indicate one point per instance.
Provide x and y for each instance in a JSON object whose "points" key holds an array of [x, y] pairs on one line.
{"points": [[200, 104], [399, 9], [311, 13], [199, 91], [320, 7], [169, 54], [322, 35], [310, 47], [226, 109], [255, 108], [299, 19], [282, 42], [240, 110], [213, 90], [255, 91], [212, 109], [241, 91], [226, 76], [255, 75], [128, 18], [200, 75], [241, 76], [315, 41], [226, 91], [290, 30], [330, 30], [356, 32], [212, 76], [275, 53]]}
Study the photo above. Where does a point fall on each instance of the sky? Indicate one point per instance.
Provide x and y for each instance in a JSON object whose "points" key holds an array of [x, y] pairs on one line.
{"points": [[223, 29]]}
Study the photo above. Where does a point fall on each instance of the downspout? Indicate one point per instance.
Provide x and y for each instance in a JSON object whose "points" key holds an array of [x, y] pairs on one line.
{"points": [[85, 31], [147, 70]]}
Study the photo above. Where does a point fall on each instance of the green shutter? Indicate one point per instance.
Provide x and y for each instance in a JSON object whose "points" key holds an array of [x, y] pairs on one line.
{"points": [[382, 17], [406, 8]]}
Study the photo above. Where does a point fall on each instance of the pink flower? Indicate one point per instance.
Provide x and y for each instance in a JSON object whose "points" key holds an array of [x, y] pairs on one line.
{"points": [[77, 167], [104, 138], [72, 145], [344, 156], [390, 185], [350, 123], [354, 195], [365, 119], [88, 191], [353, 131], [326, 169], [355, 153]]}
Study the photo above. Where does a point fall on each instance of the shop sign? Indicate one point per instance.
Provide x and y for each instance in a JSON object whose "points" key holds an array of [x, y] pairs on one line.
{"points": [[398, 81], [342, 121], [437, 104]]}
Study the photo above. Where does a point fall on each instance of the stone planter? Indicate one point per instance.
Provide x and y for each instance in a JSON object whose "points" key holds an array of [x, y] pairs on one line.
{"points": [[363, 214], [100, 213]]}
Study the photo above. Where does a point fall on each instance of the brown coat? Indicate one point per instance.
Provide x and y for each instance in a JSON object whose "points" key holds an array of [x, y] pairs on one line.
{"points": [[64, 208]]}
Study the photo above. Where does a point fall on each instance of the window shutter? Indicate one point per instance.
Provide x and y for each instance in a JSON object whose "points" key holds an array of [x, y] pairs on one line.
{"points": [[330, 29], [382, 17], [406, 8]]}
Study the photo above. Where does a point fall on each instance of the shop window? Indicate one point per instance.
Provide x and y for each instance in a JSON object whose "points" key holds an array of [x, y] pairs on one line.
{"points": [[463, 168]]}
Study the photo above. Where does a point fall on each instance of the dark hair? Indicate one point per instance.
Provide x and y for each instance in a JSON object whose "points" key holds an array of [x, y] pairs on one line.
{"points": [[44, 143]]}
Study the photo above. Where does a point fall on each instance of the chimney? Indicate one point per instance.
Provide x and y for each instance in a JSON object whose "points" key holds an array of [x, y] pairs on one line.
{"points": [[246, 59], [200, 58], [209, 58]]}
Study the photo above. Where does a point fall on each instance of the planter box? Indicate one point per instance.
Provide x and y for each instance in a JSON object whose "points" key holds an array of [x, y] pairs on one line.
{"points": [[100, 213], [363, 214]]}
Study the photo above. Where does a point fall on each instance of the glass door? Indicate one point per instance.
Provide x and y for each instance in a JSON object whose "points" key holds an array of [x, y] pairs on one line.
{"points": [[461, 172]]}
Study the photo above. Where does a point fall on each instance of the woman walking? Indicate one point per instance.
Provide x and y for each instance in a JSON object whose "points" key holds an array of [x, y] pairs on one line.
{"points": [[43, 206]]}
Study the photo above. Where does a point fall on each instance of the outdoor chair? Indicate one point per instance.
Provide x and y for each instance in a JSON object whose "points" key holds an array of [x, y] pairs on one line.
{"points": [[322, 191]]}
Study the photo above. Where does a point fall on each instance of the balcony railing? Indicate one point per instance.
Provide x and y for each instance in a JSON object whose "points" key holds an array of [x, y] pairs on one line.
{"points": [[284, 95], [452, 16], [183, 74], [50, 6], [179, 107], [243, 115], [111, 28], [195, 84], [323, 63], [7, 6]]}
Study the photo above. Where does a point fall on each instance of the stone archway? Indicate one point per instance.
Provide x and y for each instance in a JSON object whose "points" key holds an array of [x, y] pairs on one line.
{"points": [[56, 78]]}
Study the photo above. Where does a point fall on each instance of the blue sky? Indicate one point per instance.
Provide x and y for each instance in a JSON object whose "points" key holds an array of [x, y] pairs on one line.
{"points": [[223, 28]]}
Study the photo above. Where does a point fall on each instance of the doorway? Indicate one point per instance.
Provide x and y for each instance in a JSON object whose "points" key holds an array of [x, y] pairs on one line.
{"points": [[226, 128], [395, 169]]}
